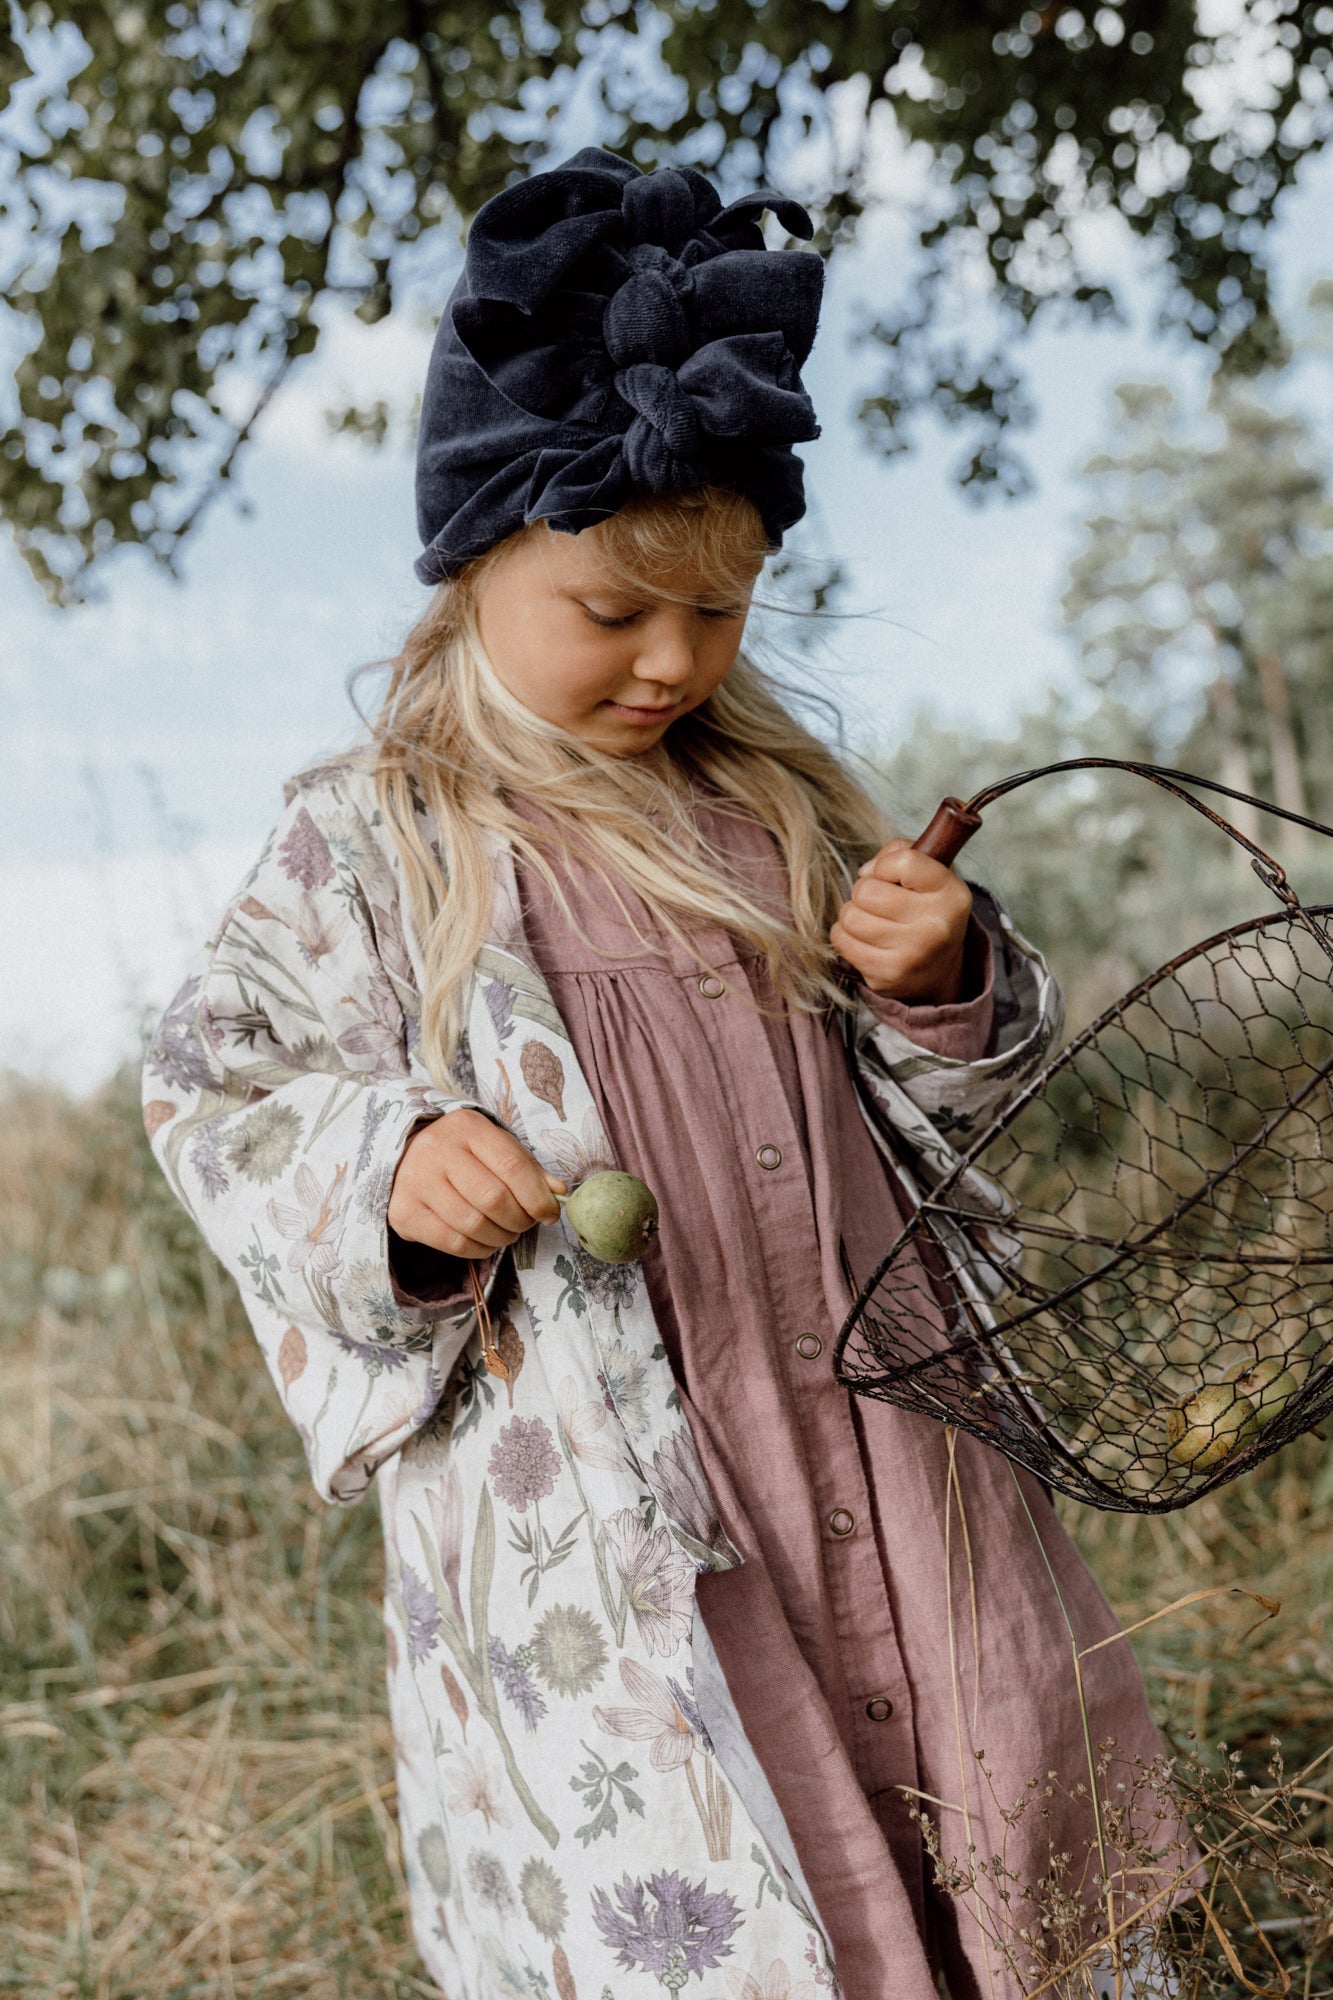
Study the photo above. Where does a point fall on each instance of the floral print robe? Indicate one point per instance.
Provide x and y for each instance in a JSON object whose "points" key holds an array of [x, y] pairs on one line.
{"points": [[542, 1551]]}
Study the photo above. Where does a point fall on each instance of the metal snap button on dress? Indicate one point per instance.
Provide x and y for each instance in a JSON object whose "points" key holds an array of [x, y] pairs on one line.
{"points": [[769, 1157], [809, 1345], [841, 1522], [879, 1708], [711, 986]]}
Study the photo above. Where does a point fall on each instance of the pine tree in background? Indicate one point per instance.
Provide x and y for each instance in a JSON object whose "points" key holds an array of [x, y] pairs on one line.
{"points": [[1204, 590], [1202, 606]]}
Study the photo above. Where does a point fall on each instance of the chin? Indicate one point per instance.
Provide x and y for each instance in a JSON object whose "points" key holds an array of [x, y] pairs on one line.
{"points": [[627, 739]]}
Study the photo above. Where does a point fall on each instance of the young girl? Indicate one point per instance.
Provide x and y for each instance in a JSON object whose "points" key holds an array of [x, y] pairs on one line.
{"points": [[681, 1636]]}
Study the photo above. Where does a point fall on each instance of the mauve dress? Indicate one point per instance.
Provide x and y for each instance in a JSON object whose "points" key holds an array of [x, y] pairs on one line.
{"points": [[837, 1631]]}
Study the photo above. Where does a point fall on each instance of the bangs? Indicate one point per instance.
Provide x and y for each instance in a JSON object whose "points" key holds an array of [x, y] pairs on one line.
{"points": [[713, 535]]}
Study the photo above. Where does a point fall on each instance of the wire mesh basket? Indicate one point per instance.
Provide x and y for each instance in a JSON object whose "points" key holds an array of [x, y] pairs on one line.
{"points": [[1126, 1283]]}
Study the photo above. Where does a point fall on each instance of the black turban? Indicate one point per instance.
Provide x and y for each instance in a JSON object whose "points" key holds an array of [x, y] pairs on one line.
{"points": [[613, 333]]}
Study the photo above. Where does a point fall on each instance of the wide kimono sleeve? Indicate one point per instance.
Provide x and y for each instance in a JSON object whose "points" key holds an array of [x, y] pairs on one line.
{"points": [[937, 1103], [280, 1089]]}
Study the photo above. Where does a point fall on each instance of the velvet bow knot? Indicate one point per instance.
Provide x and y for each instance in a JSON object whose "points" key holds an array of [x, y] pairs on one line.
{"points": [[614, 333]]}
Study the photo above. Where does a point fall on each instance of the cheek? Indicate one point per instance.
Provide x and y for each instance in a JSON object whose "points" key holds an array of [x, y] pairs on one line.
{"points": [[577, 676], [717, 656], [561, 677]]}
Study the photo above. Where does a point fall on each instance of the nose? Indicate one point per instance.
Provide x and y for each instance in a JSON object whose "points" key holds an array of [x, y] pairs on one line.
{"points": [[666, 654]]}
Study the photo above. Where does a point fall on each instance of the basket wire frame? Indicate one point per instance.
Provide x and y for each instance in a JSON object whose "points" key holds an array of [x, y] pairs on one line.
{"points": [[1126, 1283]]}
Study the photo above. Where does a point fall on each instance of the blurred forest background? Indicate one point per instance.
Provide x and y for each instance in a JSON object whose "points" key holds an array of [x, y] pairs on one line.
{"points": [[196, 1781]]}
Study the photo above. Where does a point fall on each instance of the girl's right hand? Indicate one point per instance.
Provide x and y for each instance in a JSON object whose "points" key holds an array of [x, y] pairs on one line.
{"points": [[467, 1187]]}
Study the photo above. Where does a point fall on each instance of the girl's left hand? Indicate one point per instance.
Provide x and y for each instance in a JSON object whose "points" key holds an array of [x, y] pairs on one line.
{"points": [[905, 927]]}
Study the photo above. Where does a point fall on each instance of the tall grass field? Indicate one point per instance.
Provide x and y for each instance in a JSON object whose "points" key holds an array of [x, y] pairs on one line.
{"points": [[196, 1780]]}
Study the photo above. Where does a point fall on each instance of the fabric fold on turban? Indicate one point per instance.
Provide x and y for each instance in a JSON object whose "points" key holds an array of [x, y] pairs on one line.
{"points": [[612, 333]]}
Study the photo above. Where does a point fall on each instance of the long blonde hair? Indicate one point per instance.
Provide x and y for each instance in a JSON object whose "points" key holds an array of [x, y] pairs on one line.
{"points": [[451, 737]]}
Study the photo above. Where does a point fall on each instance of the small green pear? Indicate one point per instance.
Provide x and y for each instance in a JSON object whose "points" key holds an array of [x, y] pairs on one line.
{"points": [[613, 1215], [1209, 1425], [1269, 1384]]}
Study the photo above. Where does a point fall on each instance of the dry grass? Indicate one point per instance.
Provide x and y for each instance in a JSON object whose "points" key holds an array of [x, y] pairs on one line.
{"points": [[196, 1795], [197, 1781]]}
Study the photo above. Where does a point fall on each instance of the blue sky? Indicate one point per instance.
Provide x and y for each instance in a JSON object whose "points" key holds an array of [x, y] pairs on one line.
{"points": [[144, 738]]}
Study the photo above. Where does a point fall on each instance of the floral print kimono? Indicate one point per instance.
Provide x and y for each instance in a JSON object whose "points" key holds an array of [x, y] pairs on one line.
{"points": [[281, 1088]]}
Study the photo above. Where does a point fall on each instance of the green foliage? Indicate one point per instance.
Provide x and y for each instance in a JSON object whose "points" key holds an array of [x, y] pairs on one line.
{"points": [[1202, 601], [1204, 590], [189, 182]]}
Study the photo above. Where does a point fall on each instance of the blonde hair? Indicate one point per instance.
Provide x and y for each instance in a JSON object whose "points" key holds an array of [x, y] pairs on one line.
{"points": [[451, 737]]}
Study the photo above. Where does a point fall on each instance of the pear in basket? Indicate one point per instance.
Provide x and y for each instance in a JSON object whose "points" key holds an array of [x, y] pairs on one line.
{"points": [[1208, 1426], [1270, 1385]]}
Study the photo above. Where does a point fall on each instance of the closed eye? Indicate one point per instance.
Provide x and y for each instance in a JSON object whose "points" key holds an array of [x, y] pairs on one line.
{"points": [[704, 610]]}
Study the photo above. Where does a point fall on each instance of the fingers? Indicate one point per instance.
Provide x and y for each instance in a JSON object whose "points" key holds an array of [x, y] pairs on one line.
{"points": [[898, 861], [524, 1185], [467, 1187], [884, 901], [904, 923], [483, 1202], [416, 1223]]}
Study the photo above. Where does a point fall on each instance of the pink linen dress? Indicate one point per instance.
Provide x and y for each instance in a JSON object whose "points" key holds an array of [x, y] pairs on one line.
{"points": [[875, 1637]]}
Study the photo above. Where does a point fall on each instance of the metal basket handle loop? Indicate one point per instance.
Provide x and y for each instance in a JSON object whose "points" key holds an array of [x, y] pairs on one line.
{"points": [[956, 820]]}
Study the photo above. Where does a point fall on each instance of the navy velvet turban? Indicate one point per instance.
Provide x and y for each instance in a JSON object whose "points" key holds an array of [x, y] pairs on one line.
{"points": [[613, 333]]}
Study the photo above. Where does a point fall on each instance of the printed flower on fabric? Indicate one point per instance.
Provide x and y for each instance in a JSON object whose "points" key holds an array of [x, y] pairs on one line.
{"points": [[655, 1719], [544, 1898], [577, 1159], [304, 854], [624, 1381], [378, 1032], [689, 1708], [423, 1615], [377, 1357], [316, 1053], [490, 1884], [345, 834], [475, 1788], [524, 1462], [611, 1285], [512, 1672], [679, 1483], [206, 1159], [175, 1055], [369, 1295], [778, 1984], [580, 1424], [568, 1651], [667, 1926], [312, 1225], [505, 1970], [658, 1579], [372, 1194], [263, 1144], [317, 929]]}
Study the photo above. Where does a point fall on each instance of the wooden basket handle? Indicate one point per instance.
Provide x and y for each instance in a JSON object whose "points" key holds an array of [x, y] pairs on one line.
{"points": [[949, 832]]}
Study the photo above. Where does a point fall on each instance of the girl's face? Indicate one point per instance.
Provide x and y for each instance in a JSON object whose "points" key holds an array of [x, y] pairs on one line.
{"points": [[615, 670]]}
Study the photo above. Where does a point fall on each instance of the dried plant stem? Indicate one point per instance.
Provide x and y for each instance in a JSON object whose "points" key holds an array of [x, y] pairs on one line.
{"points": [[954, 1495], [1102, 1857]]}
